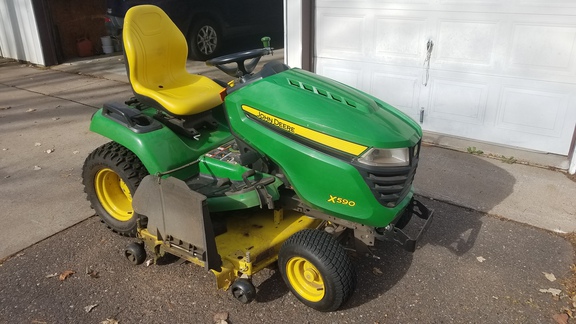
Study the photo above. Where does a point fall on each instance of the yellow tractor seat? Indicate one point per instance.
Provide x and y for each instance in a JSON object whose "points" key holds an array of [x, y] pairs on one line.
{"points": [[156, 54]]}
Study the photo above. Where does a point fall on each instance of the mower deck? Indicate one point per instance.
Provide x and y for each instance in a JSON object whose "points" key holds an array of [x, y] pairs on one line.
{"points": [[233, 245], [252, 240]]}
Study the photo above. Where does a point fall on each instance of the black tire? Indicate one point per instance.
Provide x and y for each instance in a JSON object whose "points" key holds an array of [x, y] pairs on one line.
{"points": [[204, 40], [243, 290], [110, 175], [135, 253], [317, 270]]}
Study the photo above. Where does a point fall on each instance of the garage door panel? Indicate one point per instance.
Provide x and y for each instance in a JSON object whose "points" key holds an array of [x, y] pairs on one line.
{"points": [[534, 112], [466, 42], [455, 100], [340, 35], [543, 48], [399, 37]]}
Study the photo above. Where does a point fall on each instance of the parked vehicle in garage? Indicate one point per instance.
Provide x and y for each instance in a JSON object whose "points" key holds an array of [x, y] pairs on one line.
{"points": [[207, 25]]}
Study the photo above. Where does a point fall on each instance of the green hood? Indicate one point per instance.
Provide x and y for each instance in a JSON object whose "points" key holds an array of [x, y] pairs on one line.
{"points": [[332, 108]]}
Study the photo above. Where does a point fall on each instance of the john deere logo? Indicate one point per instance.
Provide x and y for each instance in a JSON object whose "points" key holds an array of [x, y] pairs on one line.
{"points": [[276, 122], [310, 134]]}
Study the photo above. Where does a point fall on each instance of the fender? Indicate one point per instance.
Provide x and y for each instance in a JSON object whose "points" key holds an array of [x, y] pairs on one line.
{"points": [[160, 150]]}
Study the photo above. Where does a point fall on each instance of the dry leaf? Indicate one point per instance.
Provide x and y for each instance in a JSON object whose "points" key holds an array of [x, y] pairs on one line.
{"points": [[480, 259], [89, 308], [93, 274], [376, 271], [568, 312], [109, 321], [553, 291], [549, 276], [561, 318], [221, 317], [64, 275]]}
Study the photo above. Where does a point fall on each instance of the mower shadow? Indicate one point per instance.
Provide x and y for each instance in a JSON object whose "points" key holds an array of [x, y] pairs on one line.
{"points": [[272, 288], [379, 273], [376, 275]]}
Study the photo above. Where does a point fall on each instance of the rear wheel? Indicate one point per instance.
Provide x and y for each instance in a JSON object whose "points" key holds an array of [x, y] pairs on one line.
{"points": [[317, 270], [111, 174]]}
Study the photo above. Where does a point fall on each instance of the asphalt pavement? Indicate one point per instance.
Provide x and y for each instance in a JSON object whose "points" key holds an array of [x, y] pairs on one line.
{"points": [[470, 267]]}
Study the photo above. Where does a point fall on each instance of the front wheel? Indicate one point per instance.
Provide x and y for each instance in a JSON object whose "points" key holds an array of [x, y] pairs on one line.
{"points": [[317, 270], [111, 174]]}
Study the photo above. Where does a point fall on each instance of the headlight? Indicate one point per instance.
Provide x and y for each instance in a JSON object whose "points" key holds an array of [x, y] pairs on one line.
{"points": [[386, 157]]}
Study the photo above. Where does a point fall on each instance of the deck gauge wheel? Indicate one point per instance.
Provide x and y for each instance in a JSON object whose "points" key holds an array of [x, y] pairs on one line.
{"points": [[243, 290], [135, 253]]}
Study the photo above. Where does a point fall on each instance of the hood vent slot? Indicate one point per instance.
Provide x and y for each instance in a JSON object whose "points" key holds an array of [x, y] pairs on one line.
{"points": [[321, 92]]}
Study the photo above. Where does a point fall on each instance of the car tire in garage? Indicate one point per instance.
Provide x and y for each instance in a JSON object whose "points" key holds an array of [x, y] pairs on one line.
{"points": [[204, 40]]}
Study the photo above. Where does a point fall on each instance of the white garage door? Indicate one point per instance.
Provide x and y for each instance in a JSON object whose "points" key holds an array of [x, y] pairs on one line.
{"points": [[499, 71]]}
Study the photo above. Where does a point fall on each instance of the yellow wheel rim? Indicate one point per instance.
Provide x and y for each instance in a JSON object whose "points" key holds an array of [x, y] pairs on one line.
{"points": [[113, 194], [305, 278]]}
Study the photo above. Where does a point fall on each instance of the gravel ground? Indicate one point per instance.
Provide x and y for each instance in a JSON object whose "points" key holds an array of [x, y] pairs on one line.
{"points": [[469, 267]]}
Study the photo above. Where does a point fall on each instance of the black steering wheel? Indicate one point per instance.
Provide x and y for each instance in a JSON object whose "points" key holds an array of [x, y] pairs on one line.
{"points": [[239, 58], [241, 68]]}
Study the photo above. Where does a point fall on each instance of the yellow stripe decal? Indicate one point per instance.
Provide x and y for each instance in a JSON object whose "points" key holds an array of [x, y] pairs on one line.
{"points": [[330, 141]]}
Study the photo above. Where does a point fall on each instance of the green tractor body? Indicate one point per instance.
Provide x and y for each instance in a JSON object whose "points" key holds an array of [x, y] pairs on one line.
{"points": [[314, 128]]}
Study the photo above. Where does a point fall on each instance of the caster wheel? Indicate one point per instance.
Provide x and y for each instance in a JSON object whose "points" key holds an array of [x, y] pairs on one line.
{"points": [[243, 290], [135, 253]]}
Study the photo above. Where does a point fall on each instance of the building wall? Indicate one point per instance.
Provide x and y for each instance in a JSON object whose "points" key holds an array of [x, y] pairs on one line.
{"points": [[19, 37]]}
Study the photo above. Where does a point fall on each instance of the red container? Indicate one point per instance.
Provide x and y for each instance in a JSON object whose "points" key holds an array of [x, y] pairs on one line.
{"points": [[84, 47]]}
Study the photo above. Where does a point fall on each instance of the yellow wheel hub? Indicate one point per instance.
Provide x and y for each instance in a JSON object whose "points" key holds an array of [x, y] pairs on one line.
{"points": [[113, 194], [305, 278]]}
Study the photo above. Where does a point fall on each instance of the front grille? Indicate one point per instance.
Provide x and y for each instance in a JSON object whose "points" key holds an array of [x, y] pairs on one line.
{"points": [[390, 185]]}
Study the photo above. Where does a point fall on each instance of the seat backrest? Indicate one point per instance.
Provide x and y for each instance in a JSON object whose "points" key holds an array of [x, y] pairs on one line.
{"points": [[155, 49]]}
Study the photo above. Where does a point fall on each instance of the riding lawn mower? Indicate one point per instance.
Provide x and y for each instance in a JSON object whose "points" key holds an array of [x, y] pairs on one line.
{"points": [[280, 166]]}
